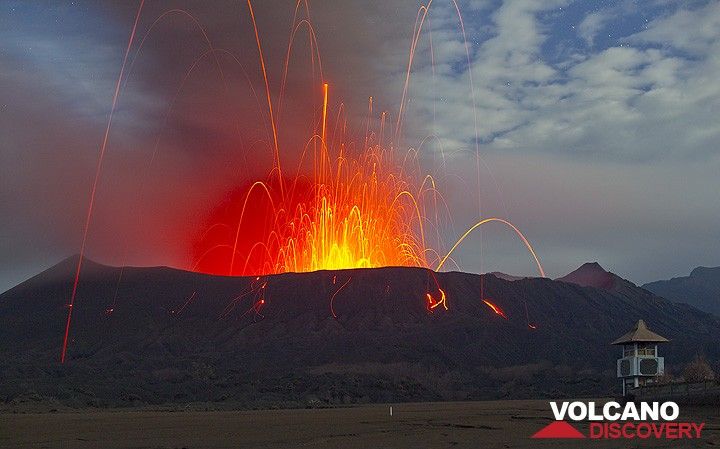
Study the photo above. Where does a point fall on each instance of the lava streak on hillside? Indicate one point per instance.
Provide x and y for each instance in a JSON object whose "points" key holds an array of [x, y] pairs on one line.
{"points": [[339, 203]]}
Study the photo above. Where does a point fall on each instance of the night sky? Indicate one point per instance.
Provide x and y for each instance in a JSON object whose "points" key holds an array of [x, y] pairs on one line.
{"points": [[597, 123]]}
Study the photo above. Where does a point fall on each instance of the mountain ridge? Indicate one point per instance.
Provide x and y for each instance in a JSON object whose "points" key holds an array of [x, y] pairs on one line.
{"points": [[175, 336], [591, 274], [700, 289]]}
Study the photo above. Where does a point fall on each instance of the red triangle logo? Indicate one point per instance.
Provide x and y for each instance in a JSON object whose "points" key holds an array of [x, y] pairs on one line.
{"points": [[558, 429]]}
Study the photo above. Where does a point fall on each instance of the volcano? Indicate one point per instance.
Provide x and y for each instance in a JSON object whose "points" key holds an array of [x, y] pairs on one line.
{"points": [[591, 274], [166, 336]]}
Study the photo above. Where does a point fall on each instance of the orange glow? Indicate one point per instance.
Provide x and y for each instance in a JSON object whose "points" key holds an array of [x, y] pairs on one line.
{"points": [[332, 298], [500, 220], [324, 116], [527, 317], [358, 212], [259, 305], [495, 308], [432, 303], [348, 204], [364, 210]]}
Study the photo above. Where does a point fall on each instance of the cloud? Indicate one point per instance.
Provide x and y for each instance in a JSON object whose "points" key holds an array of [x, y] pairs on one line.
{"points": [[692, 30], [591, 26], [638, 102], [644, 102], [573, 106]]}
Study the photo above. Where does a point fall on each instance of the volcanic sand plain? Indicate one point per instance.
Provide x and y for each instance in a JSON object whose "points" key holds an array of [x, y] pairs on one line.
{"points": [[488, 424]]}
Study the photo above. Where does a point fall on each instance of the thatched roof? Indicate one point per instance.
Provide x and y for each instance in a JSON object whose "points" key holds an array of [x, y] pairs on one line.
{"points": [[640, 334]]}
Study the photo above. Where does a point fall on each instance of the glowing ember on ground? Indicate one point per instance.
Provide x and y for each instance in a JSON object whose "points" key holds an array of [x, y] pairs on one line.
{"points": [[347, 204], [432, 303], [496, 309]]}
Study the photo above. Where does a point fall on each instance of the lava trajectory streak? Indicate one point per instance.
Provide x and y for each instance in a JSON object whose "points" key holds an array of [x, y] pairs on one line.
{"points": [[98, 171], [348, 204]]}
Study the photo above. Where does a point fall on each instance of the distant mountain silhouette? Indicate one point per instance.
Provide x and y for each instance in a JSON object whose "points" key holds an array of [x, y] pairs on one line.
{"points": [[169, 336], [591, 274], [701, 289], [505, 276]]}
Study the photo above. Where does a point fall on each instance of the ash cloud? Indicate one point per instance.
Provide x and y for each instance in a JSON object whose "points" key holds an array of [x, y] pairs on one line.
{"points": [[596, 124]]}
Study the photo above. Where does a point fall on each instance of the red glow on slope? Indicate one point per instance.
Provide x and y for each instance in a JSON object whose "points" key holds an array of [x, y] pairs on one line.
{"points": [[347, 204], [495, 308], [432, 303], [332, 298]]}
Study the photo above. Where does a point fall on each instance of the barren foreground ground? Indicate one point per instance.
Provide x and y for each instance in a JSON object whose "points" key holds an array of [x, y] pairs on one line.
{"points": [[499, 424]]}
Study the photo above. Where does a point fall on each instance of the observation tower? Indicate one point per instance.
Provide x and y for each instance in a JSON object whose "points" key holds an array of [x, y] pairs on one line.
{"points": [[639, 364]]}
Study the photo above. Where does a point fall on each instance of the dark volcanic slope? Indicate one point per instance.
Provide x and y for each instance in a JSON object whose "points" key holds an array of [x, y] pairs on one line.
{"points": [[156, 347], [701, 289]]}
